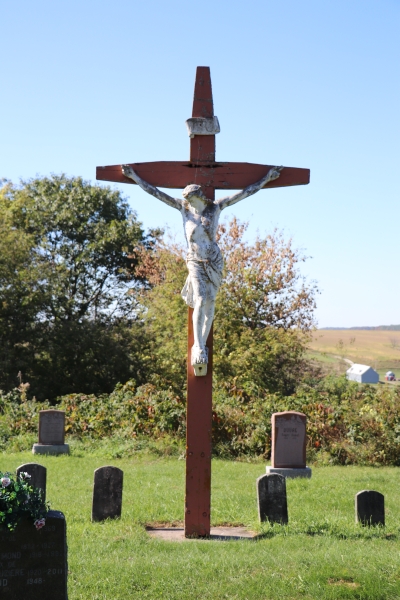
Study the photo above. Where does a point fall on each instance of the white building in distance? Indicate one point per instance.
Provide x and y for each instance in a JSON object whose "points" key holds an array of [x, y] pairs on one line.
{"points": [[362, 374]]}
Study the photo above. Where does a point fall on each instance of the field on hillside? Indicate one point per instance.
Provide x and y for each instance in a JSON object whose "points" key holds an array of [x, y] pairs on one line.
{"points": [[322, 554], [379, 349]]}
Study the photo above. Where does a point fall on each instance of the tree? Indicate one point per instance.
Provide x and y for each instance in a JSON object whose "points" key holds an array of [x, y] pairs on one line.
{"points": [[264, 313], [20, 297], [67, 313], [164, 313]]}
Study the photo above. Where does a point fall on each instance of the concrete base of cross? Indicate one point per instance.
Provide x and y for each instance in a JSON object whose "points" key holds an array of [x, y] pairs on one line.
{"points": [[52, 449], [176, 534], [292, 472]]}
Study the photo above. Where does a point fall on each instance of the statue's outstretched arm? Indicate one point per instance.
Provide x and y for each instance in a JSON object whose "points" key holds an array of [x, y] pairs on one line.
{"points": [[150, 189], [272, 174]]}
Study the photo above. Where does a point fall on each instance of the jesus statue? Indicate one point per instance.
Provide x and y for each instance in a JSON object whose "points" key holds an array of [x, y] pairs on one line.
{"points": [[204, 260]]}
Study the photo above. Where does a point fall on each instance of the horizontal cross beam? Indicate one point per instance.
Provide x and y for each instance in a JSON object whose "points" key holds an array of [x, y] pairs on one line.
{"points": [[219, 175]]}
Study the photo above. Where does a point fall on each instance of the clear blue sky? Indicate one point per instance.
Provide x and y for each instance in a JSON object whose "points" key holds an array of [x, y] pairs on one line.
{"points": [[306, 83]]}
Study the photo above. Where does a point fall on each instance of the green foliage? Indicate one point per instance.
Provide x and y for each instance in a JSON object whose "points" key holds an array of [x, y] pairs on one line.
{"points": [[89, 357], [264, 313], [18, 500], [347, 423], [128, 411], [68, 321], [352, 424], [18, 415], [262, 285], [87, 300], [82, 235], [165, 314]]}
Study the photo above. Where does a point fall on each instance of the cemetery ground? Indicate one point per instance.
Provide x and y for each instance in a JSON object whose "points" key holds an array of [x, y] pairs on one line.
{"points": [[320, 554]]}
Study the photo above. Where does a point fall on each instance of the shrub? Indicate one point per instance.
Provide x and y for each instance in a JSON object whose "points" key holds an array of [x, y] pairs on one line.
{"points": [[347, 423]]}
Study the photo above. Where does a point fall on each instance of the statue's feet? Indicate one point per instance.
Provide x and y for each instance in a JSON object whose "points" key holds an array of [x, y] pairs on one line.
{"points": [[199, 360], [199, 355]]}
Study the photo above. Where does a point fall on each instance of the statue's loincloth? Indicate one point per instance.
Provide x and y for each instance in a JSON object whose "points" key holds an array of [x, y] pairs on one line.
{"points": [[204, 276]]}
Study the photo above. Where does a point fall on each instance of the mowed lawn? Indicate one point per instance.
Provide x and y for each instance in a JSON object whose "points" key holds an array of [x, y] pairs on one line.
{"points": [[321, 554]]}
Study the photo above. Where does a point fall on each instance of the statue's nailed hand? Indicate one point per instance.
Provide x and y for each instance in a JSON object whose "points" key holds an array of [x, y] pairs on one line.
{"points": [[274, 173], [128, 171]]}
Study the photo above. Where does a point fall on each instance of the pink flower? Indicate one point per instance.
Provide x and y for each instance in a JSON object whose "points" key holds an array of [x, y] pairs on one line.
{"points": [[5, 481], [39, 523]]}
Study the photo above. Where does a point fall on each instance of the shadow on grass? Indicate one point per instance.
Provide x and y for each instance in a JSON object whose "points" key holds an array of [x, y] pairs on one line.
{"points": [[331, 530]]}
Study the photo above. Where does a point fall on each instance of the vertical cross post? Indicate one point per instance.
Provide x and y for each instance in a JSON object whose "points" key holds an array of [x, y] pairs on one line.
{"points": [[199, 389]]}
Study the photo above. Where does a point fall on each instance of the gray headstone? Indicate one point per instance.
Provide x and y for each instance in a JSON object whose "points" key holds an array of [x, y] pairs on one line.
{"points": [[288, 439], [51, 427], [272, 501], [107, 493], [38, 475], [370, 508], [33, 564]]}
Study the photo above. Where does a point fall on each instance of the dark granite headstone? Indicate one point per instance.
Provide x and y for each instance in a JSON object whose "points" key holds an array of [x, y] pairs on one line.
{"points": [[107, 493], [38, 475], [51, 427], [370, 508], [33, 564], [272, 501], [51, 433]]}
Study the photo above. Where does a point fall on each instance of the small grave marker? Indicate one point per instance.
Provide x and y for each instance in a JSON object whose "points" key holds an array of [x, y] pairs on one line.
{"points": [[33, 564], [288, 453], [51, 433], [370, 508], [272, 500], [107, 493], [38, 475]]}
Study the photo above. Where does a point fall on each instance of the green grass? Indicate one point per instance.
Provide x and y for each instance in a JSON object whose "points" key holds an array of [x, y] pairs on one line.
{"points": [[321, 554]]}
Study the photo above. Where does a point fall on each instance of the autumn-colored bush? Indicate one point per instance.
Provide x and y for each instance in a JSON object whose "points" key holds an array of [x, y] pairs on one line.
{"points": [[18, 415], [127, 411], [263, 318], [353, 424], [347, 423]]}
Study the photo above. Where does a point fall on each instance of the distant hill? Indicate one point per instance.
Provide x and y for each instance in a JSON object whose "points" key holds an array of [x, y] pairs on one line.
{"points": [[378, 328]]}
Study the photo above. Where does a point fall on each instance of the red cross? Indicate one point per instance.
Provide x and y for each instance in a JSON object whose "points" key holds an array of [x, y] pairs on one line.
{"points": [[211, 175]]}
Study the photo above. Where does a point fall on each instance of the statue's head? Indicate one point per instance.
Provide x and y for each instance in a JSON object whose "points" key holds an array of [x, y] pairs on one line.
{"points": [[195, 191]]}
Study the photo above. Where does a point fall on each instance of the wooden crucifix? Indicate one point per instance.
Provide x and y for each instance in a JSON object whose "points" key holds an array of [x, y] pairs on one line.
{"points": [[200, 177]]}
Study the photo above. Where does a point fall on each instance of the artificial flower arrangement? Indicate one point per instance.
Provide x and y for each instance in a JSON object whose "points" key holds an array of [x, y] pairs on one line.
{"points": [[18, 499]]}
